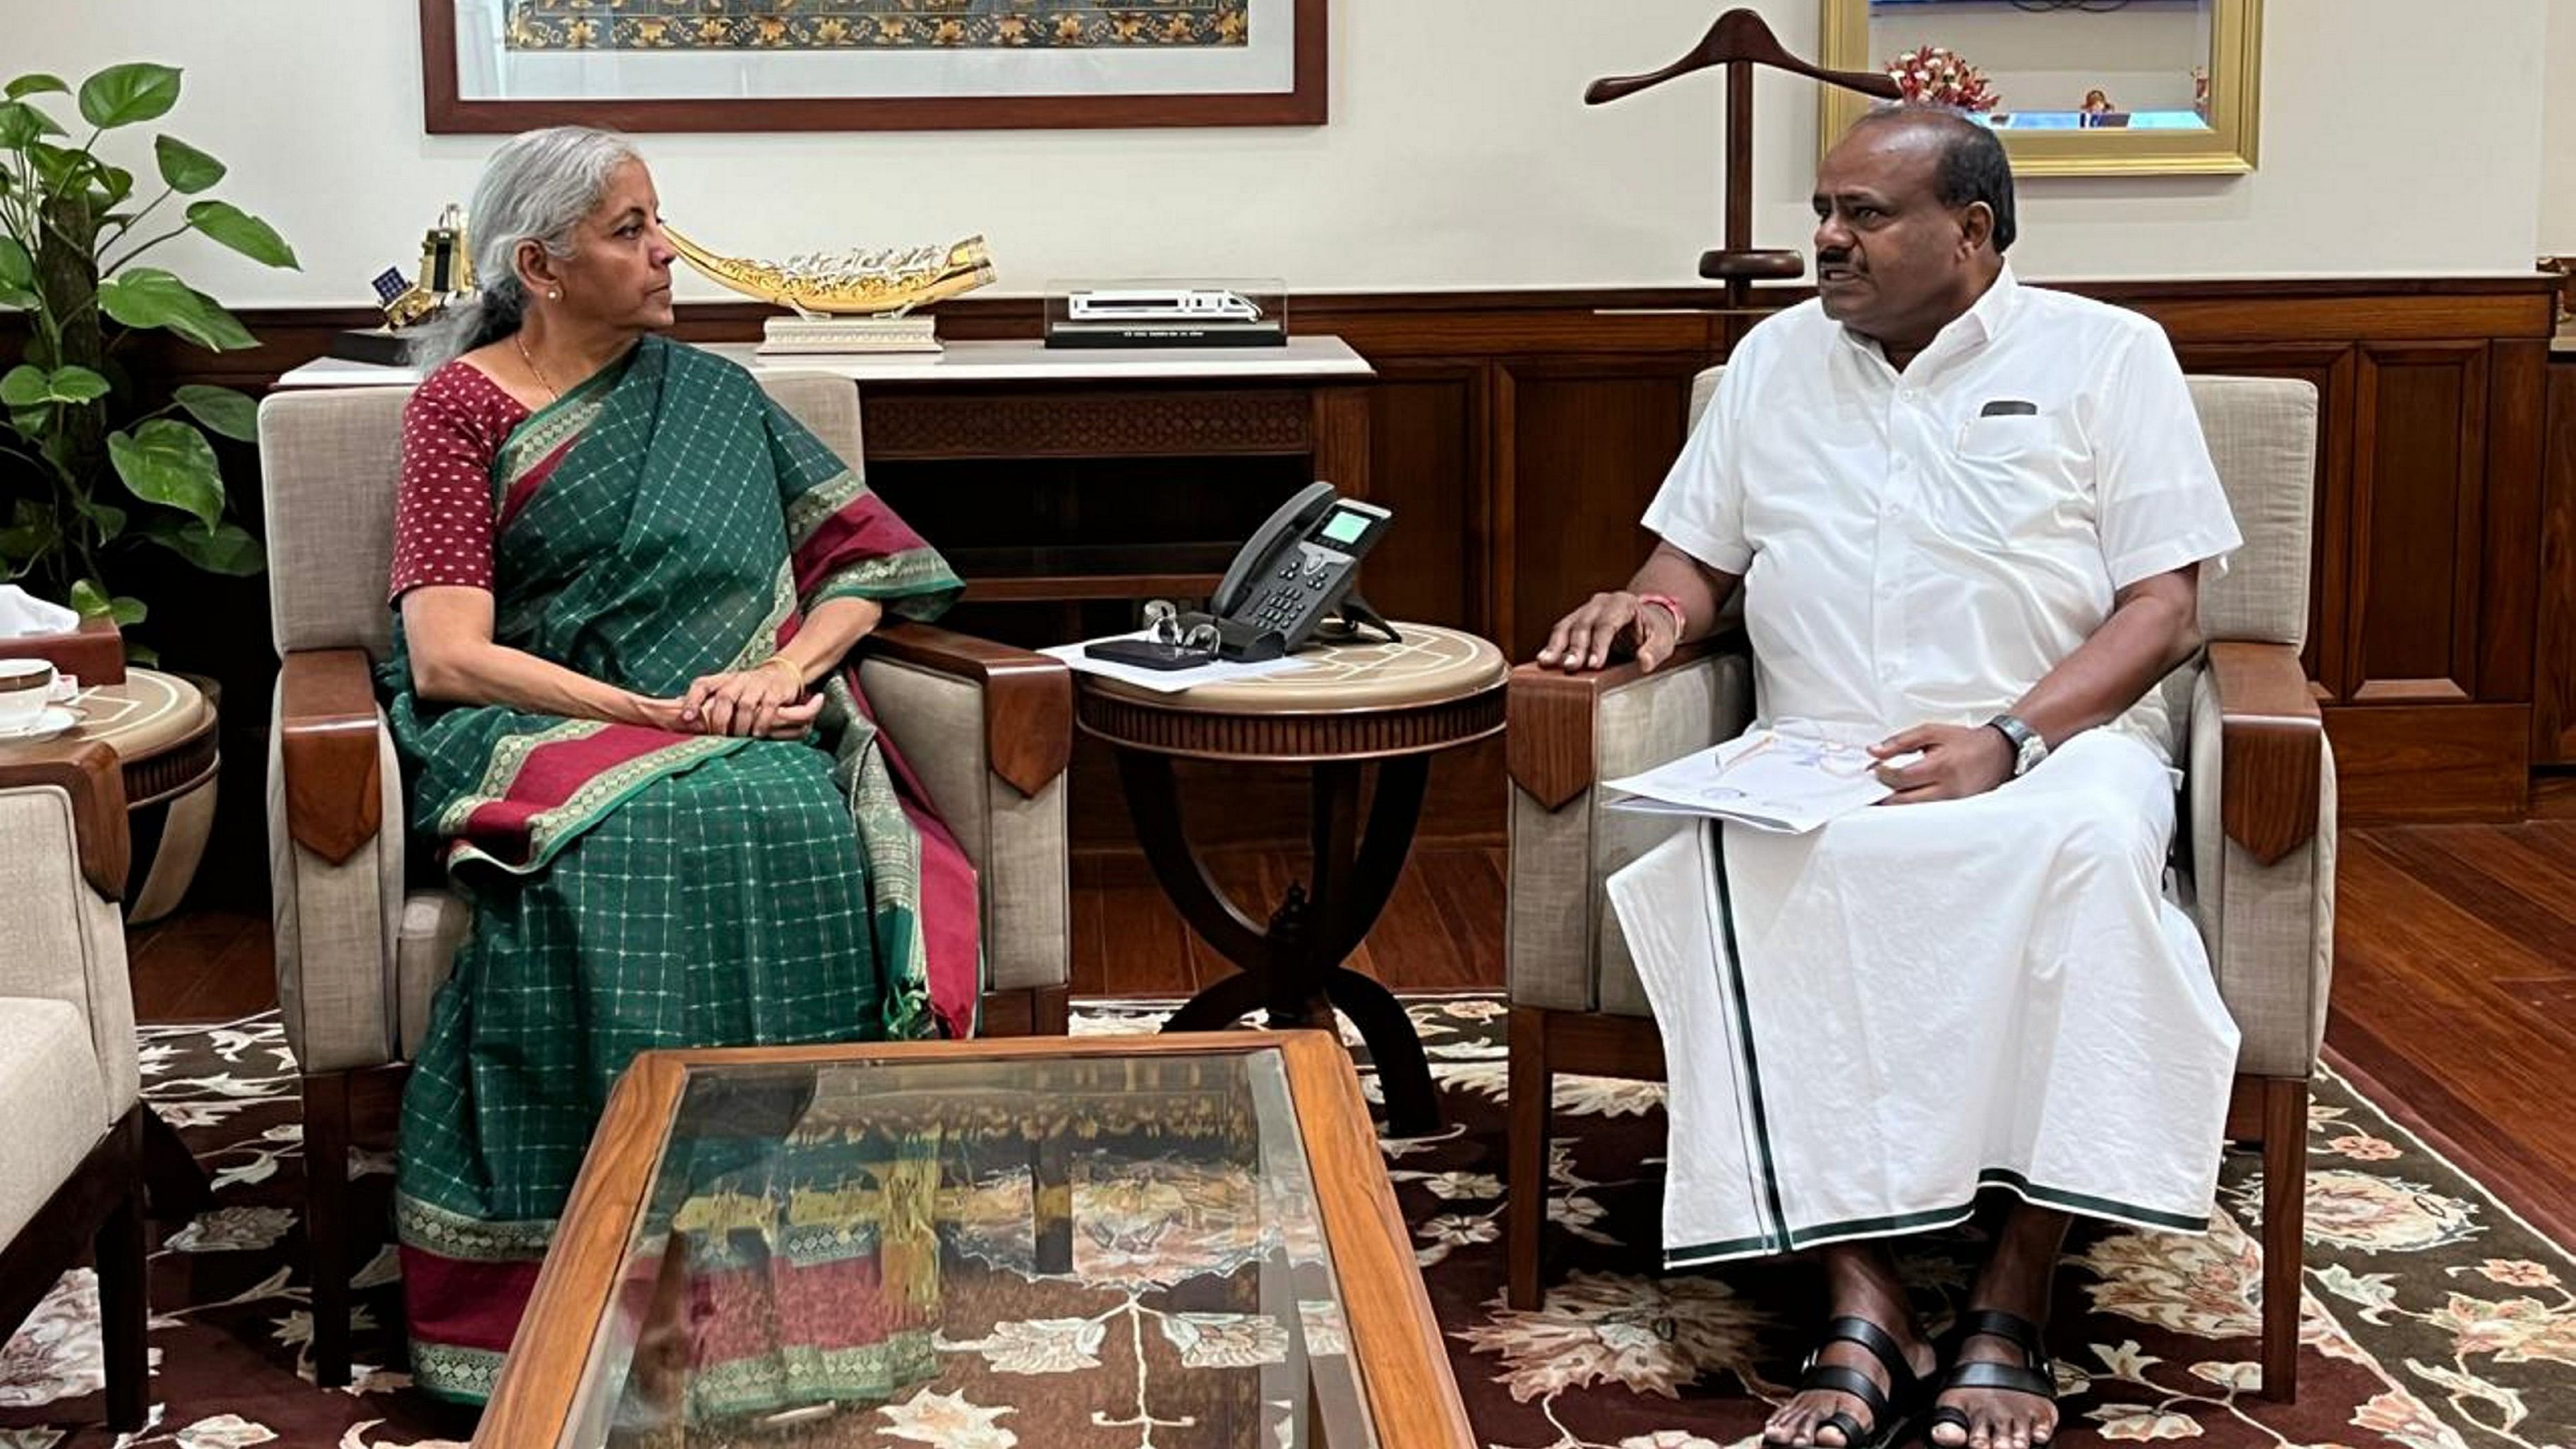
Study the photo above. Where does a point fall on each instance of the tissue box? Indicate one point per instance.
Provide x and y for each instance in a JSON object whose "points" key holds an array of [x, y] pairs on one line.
{"points": [[95, 652]]}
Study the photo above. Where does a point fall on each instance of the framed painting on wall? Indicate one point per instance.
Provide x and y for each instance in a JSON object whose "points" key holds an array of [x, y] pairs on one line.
{"points": [[858, 65], [2074, 87]]}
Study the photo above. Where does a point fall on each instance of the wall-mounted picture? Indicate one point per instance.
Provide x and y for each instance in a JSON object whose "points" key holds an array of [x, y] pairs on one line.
{"points": [[854, 65], [2074, 87]]}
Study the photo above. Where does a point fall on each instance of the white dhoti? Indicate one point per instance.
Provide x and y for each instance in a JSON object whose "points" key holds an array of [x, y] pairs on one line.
{"points": [[1917, 1002]]}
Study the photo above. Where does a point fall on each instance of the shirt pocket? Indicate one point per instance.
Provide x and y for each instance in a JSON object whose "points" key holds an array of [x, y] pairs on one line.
{"points": [[2013, 479]]}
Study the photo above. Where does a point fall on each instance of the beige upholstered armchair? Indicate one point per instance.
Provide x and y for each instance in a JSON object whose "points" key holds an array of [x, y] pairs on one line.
{"points": [[359, 952], [71, 1165], [2256, 840]]}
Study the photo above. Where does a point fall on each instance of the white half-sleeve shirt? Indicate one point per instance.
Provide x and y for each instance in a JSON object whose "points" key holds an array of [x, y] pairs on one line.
{"points": [[1921, 548]]}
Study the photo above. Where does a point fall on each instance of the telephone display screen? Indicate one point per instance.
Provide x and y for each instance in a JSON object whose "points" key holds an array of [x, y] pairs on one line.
{"points": [[1345, 526]]}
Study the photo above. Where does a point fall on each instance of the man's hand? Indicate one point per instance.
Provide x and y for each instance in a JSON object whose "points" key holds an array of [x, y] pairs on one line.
{"points": [[1608, 625], [758, 703], [1958, 761]]}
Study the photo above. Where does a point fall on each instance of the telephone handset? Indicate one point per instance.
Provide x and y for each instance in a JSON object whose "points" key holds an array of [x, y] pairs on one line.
{"points": [[1294, 572]]}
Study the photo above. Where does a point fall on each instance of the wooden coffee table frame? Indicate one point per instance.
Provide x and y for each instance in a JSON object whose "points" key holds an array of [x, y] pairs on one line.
{"points": [[1396, 1348]]}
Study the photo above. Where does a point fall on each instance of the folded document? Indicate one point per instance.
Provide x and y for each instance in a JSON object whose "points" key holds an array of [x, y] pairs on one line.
{"points": [[1768, 779]]}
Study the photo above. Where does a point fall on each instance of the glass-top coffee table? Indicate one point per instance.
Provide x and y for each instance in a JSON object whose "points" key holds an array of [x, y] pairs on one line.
{"points": [[1166, 1242]]}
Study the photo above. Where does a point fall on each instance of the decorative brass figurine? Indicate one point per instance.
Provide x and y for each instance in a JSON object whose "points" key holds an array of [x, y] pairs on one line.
{"points": [[446, 274]]}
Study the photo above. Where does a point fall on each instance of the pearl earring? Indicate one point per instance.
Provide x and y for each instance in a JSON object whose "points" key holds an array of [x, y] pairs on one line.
{"points": [[553, 295]]}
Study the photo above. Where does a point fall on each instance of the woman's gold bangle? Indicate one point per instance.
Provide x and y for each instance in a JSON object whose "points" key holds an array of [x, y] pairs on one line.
{"points": [[792, 667]]}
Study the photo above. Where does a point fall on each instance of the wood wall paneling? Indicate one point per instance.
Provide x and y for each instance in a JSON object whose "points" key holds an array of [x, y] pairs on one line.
{"points": [[1588, 445], [2329, 368], [2553, 715], [2510, 578], [2413, 595], [2431, 762]]}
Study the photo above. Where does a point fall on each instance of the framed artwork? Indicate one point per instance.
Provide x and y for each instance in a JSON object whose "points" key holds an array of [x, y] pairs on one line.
{"points": [[2074, 87], [857, 65]]}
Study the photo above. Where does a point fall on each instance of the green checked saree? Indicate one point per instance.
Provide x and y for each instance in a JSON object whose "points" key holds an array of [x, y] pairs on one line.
{"points": [[634, 888]]}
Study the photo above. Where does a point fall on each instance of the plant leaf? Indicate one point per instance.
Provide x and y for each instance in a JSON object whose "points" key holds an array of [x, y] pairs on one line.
{"points": [[23, 387], [227, 549], [168, 462], [115, 182], [241, 231], [57, 165], [125, 610], [30, 533], [124, 94], [37, 84], [17, 273], [222, 410], [88, 599], [74, 385], [187, 169], [151, 297], [20, 123], [143, 654], [109, 518]]}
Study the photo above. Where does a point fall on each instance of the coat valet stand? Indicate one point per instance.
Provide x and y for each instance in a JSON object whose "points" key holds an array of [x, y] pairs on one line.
{"points": [[1740, 41]]}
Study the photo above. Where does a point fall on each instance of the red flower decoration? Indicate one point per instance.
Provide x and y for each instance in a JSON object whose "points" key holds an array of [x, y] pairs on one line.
{"points": [[1933, 76]]}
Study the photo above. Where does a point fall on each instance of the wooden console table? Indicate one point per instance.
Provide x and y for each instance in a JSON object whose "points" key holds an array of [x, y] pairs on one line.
{"points": [[967, 414]]}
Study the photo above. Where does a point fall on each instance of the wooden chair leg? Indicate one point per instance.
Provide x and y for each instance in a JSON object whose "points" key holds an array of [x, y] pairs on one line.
{"points": [[124, 1307], [326, 1222], [2285, 1181], [175, 1187], [1525, 1205], [1052, 1011]]}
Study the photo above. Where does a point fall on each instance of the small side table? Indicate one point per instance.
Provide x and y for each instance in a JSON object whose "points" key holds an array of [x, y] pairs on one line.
{"points": [[163, 731], [1353, 704]]}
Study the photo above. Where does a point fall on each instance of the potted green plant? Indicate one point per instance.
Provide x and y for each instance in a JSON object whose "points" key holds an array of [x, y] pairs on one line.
{"points": [[92, 470]]}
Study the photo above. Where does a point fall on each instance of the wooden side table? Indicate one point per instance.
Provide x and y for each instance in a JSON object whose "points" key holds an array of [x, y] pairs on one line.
{"points": [[1353, 705], [163, 731]]}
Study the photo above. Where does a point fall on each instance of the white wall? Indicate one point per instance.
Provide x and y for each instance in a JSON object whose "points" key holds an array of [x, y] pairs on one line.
{"points": [[1459, 155], [2558, 137]]}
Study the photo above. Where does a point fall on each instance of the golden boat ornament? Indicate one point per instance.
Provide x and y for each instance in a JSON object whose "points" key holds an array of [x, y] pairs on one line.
{"points": [[887, 282]]}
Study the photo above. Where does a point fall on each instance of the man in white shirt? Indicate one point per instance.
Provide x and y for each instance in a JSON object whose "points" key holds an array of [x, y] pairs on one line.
{"points": [[1970, 518]]}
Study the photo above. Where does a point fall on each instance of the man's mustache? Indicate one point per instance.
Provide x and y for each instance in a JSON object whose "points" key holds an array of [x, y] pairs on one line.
{"points": [[1833, 259]]}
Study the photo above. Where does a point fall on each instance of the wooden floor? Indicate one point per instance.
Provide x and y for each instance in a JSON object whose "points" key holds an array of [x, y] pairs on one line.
{"points": [[2454, 992]]}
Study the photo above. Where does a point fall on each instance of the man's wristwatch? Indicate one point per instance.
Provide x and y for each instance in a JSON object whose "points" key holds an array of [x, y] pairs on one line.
{"points": [[2028, 748]]}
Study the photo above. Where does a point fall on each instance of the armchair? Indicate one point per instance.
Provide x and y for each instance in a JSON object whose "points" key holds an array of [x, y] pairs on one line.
{"points": [[71, 1168], [361, 948], [2255, 841]]}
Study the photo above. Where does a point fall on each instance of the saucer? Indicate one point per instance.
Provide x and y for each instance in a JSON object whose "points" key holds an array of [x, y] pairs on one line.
{"points": [[50, 721]]}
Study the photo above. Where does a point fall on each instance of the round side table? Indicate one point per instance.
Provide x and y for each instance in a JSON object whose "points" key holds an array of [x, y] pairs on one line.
{"points": [[163, 731], [1350, 705]]}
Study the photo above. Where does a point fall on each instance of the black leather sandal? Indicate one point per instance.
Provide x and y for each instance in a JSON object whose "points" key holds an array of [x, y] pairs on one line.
{"points": [[1892, 1410], [2034, 1375]]}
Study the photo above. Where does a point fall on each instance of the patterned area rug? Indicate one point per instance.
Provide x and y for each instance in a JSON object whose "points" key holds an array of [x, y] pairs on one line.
{"points": [[2435, 1318]]}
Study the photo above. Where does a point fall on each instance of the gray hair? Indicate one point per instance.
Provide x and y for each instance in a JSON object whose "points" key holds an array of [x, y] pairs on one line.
{"points": [[537, 187]]}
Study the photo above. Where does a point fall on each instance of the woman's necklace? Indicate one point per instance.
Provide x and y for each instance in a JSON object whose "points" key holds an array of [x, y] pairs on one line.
{"points": [[521, 342]]}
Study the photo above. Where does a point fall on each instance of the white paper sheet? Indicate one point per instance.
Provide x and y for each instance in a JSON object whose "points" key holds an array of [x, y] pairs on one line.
{"points": [[1764, 778]]}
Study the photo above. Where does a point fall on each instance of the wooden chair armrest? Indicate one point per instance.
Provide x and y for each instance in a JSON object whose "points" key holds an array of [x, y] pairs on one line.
{"points": [[1028, 697], [92, 775], [1548, 718], [2271, 747], [327, 747]]}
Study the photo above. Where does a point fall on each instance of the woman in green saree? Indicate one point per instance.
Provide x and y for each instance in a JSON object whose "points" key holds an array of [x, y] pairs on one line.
{"points": [[626, 582]]}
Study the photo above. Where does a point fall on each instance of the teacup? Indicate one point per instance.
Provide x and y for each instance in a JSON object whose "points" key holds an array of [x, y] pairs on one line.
{"points": [[26, 685]]}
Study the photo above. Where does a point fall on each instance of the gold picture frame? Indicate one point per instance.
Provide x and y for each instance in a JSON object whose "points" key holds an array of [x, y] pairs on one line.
{"points": [[2226, 146]]}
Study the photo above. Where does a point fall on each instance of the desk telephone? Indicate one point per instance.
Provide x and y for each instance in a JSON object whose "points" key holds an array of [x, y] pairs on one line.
{"points": [[1294, 573]]}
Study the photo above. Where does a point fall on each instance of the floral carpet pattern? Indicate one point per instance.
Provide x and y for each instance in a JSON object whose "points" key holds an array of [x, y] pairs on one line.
{"points": [[2434, 1319]]}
